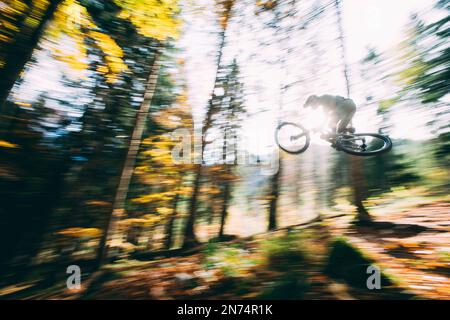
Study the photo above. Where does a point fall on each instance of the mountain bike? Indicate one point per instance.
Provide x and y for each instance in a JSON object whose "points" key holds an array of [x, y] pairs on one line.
{"points": [[294, 139]]}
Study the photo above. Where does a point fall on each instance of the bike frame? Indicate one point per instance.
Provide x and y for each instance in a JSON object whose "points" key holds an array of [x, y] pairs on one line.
{"points": [[334, 136]]}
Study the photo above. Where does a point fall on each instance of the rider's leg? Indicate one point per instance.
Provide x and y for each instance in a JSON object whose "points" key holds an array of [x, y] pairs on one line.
{"points": [[346, 113], [344, 122], [333, 123]]}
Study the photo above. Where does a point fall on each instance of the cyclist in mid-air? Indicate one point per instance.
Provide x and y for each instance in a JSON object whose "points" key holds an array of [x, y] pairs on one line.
{"points": [[340, 110], [293, 138]]}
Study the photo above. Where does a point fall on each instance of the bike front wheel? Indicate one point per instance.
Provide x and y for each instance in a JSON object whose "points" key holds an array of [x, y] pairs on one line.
{"points": [[292, 138], [364, 144]]}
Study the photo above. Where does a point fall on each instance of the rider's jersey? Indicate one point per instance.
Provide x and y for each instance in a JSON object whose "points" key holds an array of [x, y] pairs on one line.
{"points": [[330, 102], [336, 104]]}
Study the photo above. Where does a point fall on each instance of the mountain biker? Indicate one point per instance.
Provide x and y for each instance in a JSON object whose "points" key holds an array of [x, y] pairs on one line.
{"points": [[340, 110]]}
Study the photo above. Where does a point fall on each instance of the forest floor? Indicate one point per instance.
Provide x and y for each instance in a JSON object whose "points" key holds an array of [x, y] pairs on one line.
{"points": [[408, 241], [411, 244]]}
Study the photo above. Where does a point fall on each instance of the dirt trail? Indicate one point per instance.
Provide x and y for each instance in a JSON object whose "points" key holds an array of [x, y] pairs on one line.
{"points": [[412, 245]]}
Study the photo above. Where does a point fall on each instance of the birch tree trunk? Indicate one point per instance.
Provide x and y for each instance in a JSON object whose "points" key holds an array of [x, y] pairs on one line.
{"points": [[118, 208]]}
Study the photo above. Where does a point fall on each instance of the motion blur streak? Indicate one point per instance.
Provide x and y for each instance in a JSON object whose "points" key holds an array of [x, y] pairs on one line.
{"points": [[91, 93]]}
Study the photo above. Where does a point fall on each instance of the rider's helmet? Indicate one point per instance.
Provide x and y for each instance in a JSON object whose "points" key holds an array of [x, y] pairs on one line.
{"points": [[312, 101]]}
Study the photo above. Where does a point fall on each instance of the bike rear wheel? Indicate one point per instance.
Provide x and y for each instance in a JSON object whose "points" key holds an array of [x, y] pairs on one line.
{"points": [[292, 138], [364, 144]]}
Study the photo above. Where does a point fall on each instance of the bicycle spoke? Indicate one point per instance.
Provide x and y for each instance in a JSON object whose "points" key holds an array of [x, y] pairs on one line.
{"points": [[298, 136]]}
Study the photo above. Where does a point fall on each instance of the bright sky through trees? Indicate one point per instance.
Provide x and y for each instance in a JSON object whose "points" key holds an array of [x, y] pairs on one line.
{"points": [[367, 23], [377, 23]]}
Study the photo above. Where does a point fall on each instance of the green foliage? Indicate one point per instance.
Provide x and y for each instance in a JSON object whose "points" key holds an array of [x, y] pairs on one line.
{"points": [[288, 286], [442, 152], [286, 256], [384, 105], [390, 170], [232, 260], [428, 57], [31, 180]]}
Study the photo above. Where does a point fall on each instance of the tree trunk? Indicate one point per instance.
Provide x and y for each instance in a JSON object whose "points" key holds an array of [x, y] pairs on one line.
{"points": [[337, 4], [357, 178], [224, 211], [356, 169], [127, 171], [168, 241], [189, 234], [274, 194], [17, 53]]}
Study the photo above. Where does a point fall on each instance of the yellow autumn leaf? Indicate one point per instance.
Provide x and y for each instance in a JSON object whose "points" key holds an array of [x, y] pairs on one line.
{"points": [[23, 104], [97, 203], [153, 18], [6, 144], [72, 20], [77, 232], [164, 211]]}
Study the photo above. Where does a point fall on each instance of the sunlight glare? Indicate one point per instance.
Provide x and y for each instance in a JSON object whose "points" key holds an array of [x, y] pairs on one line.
{"points": [[315, 119]]}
